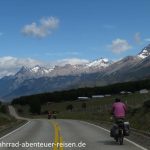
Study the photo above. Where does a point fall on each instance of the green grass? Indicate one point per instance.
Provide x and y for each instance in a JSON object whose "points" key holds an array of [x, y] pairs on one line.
{"points": [[5, 119], [7, 122], [98, 105], [98, 110]]}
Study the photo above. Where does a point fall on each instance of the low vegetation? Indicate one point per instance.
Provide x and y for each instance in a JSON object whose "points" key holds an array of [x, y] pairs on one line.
{"points": [[5, 118], [7, 122], [67, 105], [71, 95]]}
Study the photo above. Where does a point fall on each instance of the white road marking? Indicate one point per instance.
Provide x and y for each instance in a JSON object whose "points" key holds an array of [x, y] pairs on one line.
{"points": [[135, 144], [14, 130]]}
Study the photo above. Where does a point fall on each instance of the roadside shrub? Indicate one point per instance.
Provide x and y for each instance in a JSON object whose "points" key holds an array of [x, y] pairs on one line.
{"points": [[147, 104], [44, 112], [20, 110], [3, 109], [133, 111], [69, 107], [83, 106]]}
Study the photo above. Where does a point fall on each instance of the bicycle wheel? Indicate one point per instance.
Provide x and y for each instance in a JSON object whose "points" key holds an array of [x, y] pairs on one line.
{"points": [[120, 138]]}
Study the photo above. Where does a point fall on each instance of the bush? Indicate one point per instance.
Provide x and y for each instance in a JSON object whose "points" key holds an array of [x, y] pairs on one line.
{"points": [[45, 112], [147, 104], [20, 110], [69, 107], [3, 109], [83, 106]]}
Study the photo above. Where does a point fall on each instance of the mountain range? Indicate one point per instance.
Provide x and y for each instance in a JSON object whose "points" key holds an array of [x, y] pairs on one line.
{"points": [[95, 73]]}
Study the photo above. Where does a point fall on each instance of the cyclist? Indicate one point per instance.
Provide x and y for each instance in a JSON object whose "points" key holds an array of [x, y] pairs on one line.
{"points": [[118, 110]]}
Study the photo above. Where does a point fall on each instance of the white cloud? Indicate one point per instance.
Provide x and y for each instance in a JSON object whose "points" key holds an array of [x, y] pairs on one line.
{"points": [[137, 38], [10, 65], [45, 28], [119, 46], [72, 61], [50, 22]]}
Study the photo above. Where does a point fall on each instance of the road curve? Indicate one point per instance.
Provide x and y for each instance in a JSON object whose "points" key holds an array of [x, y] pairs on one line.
{"points": [[82, 136], [13, 113]]}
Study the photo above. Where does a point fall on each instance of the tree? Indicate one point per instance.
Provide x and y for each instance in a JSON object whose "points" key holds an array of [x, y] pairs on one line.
{"points": [[20, 110], [35, 106], [69, 107], [83, 106], [147, 104], [3, 109]]}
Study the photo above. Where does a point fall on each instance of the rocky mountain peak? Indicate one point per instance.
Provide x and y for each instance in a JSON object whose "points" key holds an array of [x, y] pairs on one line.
{"points": [[145, 52], [102, 62]]}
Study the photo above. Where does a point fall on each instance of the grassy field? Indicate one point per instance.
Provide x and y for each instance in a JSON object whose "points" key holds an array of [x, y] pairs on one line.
{"points": [[7, 122], [5, 118], [98, 110]]}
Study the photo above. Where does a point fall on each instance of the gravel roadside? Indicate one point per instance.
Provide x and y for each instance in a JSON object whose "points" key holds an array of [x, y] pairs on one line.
{"points": [[5, 129]]}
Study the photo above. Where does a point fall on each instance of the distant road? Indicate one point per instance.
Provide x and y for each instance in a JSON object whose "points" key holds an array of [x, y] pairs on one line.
{"points": [[68, 131], [14, 114]]}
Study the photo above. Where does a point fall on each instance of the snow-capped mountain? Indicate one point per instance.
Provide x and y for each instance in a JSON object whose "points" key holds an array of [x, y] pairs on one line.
{"points": [[145, 52], [67, 69], [62, 76], [41, 70], [99, 63], [95, 73], [34, 72]]}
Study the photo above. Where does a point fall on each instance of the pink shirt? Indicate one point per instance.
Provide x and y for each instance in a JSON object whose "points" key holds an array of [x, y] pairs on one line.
{"points": [[119, 109]]}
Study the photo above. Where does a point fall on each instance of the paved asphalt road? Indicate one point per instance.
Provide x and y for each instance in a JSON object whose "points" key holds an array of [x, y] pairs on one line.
{"points": [[63, 131]]}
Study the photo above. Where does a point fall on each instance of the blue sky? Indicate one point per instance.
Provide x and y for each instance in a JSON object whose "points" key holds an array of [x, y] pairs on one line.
{"points": [[50, 30]]}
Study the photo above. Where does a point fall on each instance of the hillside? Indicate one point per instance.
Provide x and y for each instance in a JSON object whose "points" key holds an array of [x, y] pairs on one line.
{"points": [[71, 95], [100, 72]]}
